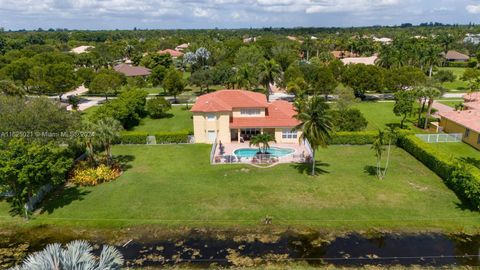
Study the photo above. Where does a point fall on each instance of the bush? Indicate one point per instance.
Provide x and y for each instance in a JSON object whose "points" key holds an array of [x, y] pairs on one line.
{"points": [[464, 180], [349, 120], [86, 176], [157, 107], [445, 76], [128, 108], [172, 137]]}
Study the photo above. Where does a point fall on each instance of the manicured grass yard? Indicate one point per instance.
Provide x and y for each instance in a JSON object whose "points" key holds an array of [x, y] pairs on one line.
{"points": [[458, 84], [175, 185], [179, 119], [460, 151], [378, 114]]}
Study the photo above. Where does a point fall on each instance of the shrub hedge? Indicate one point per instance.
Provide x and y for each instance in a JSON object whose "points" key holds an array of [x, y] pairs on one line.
{"points": [[172, 137], [353, 138], [463, 179], [133, 137]]}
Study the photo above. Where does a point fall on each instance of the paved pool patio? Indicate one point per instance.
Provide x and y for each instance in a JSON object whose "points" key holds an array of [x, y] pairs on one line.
{"points": [[224, 153]]}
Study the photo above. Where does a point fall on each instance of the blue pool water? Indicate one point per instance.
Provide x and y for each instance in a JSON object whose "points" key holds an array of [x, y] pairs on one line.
{"points": [[273, 151]]}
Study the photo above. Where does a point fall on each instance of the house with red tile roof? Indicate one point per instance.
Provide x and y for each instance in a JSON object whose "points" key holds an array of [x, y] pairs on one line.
{"points": [[173, 53], [238, 115], [466, 122]]}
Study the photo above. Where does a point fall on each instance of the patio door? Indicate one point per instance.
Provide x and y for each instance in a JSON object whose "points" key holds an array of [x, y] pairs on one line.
{"points": [[212, 135]]}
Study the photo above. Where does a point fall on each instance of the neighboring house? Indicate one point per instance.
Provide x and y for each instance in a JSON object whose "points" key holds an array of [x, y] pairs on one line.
{"points": [[238, 115], [466, 122], [472, 38], [250, 39], [360, 60], [173, 53], [81, 49], [182, 47], [454, 56], [132, 71], [384, 40], [343, 54]]}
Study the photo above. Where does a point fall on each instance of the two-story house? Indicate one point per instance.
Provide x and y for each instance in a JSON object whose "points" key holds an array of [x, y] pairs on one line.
{"points": [[238, 115]]}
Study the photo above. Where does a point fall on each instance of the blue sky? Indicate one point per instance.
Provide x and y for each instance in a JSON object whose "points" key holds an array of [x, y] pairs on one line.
{"points": [[167, 14]]}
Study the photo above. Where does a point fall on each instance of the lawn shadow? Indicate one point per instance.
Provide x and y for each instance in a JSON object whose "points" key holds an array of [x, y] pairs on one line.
{"points": [[61, 198], [370, 170], [124, 161], [306, 168]]}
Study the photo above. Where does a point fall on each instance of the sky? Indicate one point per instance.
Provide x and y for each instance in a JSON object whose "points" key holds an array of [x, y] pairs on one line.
{"points": [[172, 14]]}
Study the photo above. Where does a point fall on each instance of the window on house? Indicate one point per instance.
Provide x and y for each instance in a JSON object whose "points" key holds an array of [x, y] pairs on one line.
{"points": [[211, 117], [250, 112], [478, 139], [467, 133], [289, 134]]}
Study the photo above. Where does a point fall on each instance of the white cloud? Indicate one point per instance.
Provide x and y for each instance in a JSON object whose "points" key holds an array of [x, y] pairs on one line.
{"points": [[473, 9], [229, 13]]}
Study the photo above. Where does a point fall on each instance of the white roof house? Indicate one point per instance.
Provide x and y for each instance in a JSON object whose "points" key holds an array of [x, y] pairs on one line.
{"points": [[383, 40], [81, 49], [360, 60]]}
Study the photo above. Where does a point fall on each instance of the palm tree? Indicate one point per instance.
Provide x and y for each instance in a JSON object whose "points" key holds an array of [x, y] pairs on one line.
{"points": [[420, 94], [76, 255], [383, 137], [446, 40], [269, 72], [244, 77], [430, 57], [431, 93], [262, 142], [378, 147], [107, 130], [315, 124]]}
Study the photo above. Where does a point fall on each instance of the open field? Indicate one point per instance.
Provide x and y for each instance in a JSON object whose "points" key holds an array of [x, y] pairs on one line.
{"points": [[176, 186]]}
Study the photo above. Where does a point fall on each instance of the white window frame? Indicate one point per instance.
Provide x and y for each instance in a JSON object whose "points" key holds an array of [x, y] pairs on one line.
{"points": [[250, 112], [289, 134], [211, 117]]}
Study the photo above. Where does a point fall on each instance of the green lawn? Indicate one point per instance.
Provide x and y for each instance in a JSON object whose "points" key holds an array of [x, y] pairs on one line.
{"points": [[461, 151], [378, 114], [178, 119], [176, 186], [451, 103], [458, 84]]}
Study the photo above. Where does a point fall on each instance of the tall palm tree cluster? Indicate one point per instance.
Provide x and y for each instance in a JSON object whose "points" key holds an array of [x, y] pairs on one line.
{"points": [[76, 255], [422, 53]]}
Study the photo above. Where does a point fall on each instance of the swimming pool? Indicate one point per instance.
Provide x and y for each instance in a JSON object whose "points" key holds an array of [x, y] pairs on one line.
{"points": [[273, 151]]}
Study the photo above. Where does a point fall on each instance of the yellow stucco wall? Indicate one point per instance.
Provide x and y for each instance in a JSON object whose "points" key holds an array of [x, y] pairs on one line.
{"points": [[221, 126], [452, 127], [201, 126], [279, 139]]}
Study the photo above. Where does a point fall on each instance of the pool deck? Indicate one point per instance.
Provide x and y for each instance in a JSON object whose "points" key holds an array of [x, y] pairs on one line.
{"points": [[299, 155]]}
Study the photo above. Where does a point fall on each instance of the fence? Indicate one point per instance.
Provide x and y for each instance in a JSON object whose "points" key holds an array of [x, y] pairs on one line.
{"points": [[212, 152], [441, 138]]}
